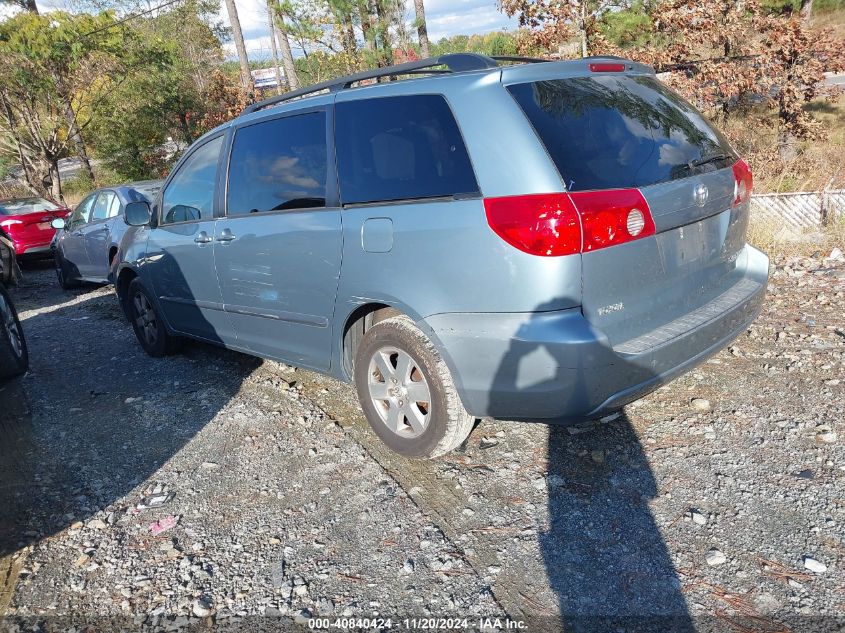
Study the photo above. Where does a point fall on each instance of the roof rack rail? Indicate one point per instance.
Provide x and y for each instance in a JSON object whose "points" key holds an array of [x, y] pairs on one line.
{"points": [[519, 58], [455, 62]]}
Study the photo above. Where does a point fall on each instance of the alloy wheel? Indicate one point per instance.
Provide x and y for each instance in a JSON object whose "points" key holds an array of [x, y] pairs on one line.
{"points": [[145, 318], [399, 392]]}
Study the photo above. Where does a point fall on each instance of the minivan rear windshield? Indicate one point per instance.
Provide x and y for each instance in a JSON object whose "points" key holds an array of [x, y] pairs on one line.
{"points": [[618, 131]]}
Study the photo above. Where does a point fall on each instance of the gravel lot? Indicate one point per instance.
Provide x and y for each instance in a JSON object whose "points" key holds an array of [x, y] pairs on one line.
{"points": [[716, 503]]}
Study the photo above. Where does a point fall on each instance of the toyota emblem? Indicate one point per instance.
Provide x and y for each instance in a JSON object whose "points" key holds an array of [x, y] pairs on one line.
{"points": [[700, 193]]}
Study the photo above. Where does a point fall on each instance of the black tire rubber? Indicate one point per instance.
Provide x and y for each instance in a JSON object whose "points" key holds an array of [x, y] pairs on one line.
{"points": [[64, 279], [10, 271], [11, 363], [449, 425], [165, 342]]}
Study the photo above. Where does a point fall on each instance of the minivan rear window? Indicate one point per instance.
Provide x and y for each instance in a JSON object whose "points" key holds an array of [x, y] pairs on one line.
{"points": [[400, 148], [618, 131]]}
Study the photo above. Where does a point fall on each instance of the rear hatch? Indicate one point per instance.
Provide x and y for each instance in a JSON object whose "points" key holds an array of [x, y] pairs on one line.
{"points": [[610, 131], [29, 220]]}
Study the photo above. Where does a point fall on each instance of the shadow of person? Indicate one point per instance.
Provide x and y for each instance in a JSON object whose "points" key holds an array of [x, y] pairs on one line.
{"points": [[603, 552]]}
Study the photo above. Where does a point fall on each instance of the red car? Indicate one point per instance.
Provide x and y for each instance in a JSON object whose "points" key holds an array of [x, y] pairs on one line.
{"points": [[27, 222]]}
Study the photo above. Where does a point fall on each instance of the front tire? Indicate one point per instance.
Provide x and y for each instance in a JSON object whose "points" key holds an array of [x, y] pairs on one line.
{"points": [[14, 355], [407, 392], [64, 279], [147, 322]]}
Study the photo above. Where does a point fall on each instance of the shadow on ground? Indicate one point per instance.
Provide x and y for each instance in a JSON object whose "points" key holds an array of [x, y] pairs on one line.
{"points": [[70, 442], [604, 555]]}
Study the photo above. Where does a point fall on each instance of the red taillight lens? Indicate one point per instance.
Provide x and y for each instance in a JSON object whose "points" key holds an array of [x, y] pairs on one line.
{"points": [[607, 68], [10, 225], [743, 182], [564, 224], [612, 217], [543, 224]]}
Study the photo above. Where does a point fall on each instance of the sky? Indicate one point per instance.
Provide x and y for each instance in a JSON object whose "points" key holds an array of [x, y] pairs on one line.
{"points": [[443, 17]]}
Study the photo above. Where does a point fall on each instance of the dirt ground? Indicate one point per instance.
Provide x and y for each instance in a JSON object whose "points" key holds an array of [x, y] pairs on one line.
{"points": [[715, 503]]}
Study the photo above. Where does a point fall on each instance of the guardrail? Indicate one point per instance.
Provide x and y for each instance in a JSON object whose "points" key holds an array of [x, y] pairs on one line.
{"points": [[801, 209]]}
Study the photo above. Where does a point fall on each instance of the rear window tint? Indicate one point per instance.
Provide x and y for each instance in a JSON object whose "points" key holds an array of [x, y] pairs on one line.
{"points": [[398, 148], [620, 131]]}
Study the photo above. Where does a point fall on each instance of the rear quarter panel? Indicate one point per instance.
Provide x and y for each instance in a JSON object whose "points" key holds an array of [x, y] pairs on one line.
{"points": [[444, 256]]}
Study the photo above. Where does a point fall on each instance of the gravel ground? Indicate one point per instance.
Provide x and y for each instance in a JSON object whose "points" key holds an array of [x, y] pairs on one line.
{"points": [[716, 503]]}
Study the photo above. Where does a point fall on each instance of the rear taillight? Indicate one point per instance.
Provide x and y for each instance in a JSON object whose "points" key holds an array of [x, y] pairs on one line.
{"points": [[743, 182], [612, 217], [541, 224], [564, 224], [607, 67]]}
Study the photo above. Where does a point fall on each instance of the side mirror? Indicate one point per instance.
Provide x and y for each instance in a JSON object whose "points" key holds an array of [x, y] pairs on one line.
{"points": [[58, 223], [137, 213]]}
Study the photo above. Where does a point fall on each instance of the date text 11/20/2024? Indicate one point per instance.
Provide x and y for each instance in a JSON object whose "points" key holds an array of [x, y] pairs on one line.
{"points": [[418, 624]]}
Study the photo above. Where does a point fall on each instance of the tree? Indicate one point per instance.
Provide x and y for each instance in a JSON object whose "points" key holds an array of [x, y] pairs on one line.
{"points": [[280, 10], [554, 22], [49, 64], [271, 16], [240, 47], [422, 30], [729, 56]]}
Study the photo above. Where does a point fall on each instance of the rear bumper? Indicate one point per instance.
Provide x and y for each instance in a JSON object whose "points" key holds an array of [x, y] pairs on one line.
{"points": [[22, 249], [557, 367]]}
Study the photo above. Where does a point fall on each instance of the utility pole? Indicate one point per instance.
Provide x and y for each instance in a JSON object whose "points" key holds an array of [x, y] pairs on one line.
{"points": [[246, 77]]}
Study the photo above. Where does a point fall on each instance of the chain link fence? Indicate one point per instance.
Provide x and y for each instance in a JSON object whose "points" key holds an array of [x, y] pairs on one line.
{"points": [[799, 210]]}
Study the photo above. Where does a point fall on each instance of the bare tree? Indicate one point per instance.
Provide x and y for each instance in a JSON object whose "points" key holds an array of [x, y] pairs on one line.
{"points": [[422, 31], [284, 45], [246, 76]]}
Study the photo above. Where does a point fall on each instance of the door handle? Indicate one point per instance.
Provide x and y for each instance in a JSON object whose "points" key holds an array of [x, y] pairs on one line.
{"points": [[202, 238], [225, 236]]}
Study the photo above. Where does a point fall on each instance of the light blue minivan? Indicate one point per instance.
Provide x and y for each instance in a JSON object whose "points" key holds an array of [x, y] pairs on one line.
{"points": [[507, 238]]}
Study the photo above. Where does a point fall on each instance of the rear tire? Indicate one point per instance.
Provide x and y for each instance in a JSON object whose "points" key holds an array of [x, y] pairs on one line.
{"points": [[65, 281], [14, 355], [11, 271], [407, 392], [147, 322]]}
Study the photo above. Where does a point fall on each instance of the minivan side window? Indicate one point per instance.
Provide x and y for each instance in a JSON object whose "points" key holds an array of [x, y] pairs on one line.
{"points": [[277, 165], [399, 148], [189, 196]]}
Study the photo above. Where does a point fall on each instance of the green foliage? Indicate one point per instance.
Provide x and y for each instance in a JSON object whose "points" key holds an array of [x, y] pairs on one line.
{"points": [[495, 43], [167, 101], [628, 27]]}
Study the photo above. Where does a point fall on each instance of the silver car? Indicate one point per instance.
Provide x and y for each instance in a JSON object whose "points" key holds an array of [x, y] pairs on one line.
{"points": [[85, 243], [534, 241]]}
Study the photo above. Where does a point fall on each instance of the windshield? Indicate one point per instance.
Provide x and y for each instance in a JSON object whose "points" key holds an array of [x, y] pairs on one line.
{"points": [[618, 131], [25, 206]]}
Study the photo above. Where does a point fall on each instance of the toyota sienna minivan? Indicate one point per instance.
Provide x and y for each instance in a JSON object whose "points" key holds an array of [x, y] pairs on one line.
{"points": [[533, 241]]}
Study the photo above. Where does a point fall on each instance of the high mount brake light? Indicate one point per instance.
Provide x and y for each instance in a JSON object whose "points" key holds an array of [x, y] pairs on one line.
{"points": [[743, 182], [557, 224], [607, 67]]}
